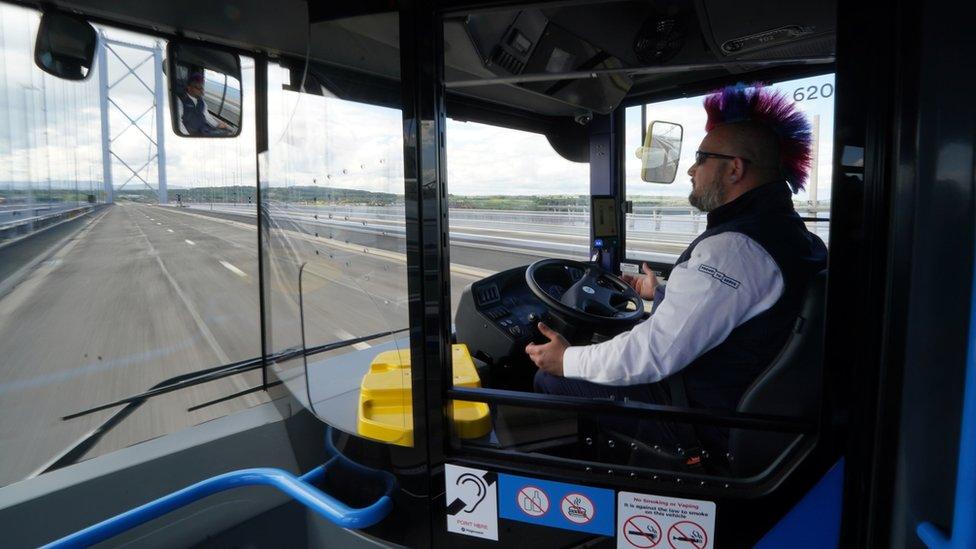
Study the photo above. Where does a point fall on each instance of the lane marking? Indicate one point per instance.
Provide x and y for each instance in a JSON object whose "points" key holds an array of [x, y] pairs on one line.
{"points": [[361, 346], [230, 267], [202, 327], [190, 242]]}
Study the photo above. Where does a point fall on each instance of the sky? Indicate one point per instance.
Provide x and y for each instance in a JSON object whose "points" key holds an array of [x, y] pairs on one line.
{"points": [[321, 141]]}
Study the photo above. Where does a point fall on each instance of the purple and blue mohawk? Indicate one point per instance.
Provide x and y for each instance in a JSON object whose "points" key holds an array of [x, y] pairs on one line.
{"points": [[756, 103]]}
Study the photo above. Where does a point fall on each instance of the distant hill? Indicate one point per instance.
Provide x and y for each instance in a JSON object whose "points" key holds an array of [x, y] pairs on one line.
{"points": [[330, 195]]}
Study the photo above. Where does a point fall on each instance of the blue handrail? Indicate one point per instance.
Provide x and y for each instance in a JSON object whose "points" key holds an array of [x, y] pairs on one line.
{"points": [[299, 488]]}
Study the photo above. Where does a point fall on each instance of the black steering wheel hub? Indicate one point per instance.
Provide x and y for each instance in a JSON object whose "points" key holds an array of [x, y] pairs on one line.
{"points": [[585, 293]]}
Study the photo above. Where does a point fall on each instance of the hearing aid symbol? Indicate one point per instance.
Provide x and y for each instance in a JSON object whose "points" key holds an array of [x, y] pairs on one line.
{"points": [[469, 490], [475, 489]]}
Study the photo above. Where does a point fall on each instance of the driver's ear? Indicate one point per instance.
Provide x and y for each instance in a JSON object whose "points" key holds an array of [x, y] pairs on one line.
{"points": [[737, 170]]}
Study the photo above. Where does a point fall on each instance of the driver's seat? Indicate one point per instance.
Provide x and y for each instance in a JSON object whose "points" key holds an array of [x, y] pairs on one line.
{"points": [[790, 387]]}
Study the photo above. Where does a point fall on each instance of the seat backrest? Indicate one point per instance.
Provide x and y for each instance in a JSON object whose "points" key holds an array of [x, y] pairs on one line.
{"points": [[790, 386]]}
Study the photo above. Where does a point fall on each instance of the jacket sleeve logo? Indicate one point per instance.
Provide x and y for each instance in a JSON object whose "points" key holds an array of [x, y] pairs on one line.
{"points": [[720, 276]]}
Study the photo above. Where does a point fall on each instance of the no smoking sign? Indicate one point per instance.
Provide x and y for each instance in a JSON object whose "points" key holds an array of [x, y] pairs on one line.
{"points": [[687, 535], [642, 532], [645, 520]]}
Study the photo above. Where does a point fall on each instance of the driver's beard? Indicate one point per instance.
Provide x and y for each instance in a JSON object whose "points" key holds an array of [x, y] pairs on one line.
{"points": [[711, 196]]}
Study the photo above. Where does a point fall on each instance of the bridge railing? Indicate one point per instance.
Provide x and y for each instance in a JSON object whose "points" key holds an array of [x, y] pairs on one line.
{"points": [[19, 222]]}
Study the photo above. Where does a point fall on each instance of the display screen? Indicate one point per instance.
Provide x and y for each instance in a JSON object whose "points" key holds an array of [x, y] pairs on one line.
{"points": [[604, 217]]}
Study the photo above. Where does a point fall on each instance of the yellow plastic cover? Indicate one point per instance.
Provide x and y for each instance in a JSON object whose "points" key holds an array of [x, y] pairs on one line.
{"points": [[386, 404]]}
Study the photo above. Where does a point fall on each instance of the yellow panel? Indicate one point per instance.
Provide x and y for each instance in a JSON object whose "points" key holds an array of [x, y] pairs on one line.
{"points": [[386, 406]]}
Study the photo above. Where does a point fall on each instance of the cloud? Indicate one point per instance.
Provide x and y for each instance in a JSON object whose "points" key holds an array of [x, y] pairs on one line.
{"points": [[314, 140]]}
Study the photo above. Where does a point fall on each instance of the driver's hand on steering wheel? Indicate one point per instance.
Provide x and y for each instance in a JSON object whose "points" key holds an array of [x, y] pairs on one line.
{"points": [[548, 356], [644, 284]]}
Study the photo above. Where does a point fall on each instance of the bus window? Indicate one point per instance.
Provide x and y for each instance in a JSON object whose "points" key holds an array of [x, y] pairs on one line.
{"points": [[332, 200], [662, 222], [513, 200], [127, 257]]}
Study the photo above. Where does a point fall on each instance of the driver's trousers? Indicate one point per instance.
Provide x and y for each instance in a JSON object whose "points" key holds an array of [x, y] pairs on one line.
{"points": [[646, 430]]}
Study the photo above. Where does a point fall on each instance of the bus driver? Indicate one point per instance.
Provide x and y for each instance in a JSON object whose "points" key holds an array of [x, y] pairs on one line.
{"points": [[730, 302]]}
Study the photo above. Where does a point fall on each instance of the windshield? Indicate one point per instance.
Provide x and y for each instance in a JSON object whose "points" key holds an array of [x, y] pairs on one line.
{"points": [[128, 256]]}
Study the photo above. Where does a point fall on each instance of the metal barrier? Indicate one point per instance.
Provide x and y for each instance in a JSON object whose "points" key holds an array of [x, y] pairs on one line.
{"points": [[22, 222]]}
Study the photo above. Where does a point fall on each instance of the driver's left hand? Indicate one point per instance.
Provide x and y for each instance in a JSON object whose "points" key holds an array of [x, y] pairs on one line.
{"points": [[548, 356]]}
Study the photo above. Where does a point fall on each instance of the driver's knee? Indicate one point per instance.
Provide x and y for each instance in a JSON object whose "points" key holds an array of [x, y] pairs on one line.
{"points": [[558, 385], [541, 382], [553, 385]]}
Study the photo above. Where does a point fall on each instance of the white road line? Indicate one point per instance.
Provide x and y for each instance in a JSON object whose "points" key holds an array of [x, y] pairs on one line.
{"points": [[202, 327], [346, 335], [190, 242], [169, 230], [230, 267]]}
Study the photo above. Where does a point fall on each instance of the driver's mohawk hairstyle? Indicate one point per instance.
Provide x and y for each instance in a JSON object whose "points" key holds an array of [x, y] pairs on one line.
{"points": [[757, 103]]}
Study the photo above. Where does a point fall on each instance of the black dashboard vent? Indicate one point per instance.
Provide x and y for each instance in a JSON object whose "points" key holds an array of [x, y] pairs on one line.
{"points": [[507, 61], [487, 294]]}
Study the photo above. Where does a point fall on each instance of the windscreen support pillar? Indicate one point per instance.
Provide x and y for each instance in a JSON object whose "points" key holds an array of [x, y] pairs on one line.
{"points": [[427, 244], [606, 179]]}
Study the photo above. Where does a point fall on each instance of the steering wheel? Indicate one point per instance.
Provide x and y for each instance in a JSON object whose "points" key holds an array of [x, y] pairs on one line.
{"points": [[598, 297]]}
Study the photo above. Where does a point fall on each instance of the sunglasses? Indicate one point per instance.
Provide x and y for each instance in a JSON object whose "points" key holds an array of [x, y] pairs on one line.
{"points": [[702, 156]]}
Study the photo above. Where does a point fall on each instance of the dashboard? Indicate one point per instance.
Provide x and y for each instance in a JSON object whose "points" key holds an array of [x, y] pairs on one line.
{"points": [[497, 316]]}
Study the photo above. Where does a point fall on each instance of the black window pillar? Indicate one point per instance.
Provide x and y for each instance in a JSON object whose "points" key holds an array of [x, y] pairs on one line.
{"points": [[428, 262], [606, 179]]}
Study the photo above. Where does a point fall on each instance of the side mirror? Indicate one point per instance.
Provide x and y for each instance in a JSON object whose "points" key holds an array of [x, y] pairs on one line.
{"points": [[65, 46], [661, 152], [204, 91]]}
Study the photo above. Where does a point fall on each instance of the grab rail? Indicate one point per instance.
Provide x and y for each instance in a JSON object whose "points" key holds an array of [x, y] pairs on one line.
{"points": [[299, 488]]}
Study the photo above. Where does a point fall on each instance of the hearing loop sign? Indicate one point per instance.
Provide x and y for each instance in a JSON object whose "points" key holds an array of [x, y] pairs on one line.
{"points": [[472, 502]]}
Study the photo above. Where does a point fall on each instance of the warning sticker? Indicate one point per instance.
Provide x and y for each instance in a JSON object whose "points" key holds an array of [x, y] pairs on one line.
{"points": [[533, 501], [556, 504], [630, 268], [645, 521], [578, 508], [472, 502], [641, 531]]}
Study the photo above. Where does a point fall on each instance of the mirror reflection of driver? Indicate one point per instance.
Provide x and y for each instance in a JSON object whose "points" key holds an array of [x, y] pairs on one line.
{"points": [[194, 116], [733, 296]]}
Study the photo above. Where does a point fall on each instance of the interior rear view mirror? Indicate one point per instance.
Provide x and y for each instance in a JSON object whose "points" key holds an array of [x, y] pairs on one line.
{"points": [[65, 46], [204, 91], [661, 152]]}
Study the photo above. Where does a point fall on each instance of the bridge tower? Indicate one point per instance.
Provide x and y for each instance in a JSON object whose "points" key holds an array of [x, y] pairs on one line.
{"points": [[156, 145]]}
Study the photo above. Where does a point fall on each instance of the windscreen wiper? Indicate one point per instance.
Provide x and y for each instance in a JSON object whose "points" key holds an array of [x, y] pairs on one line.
{"points": [[232, 396], [176, 383]]}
